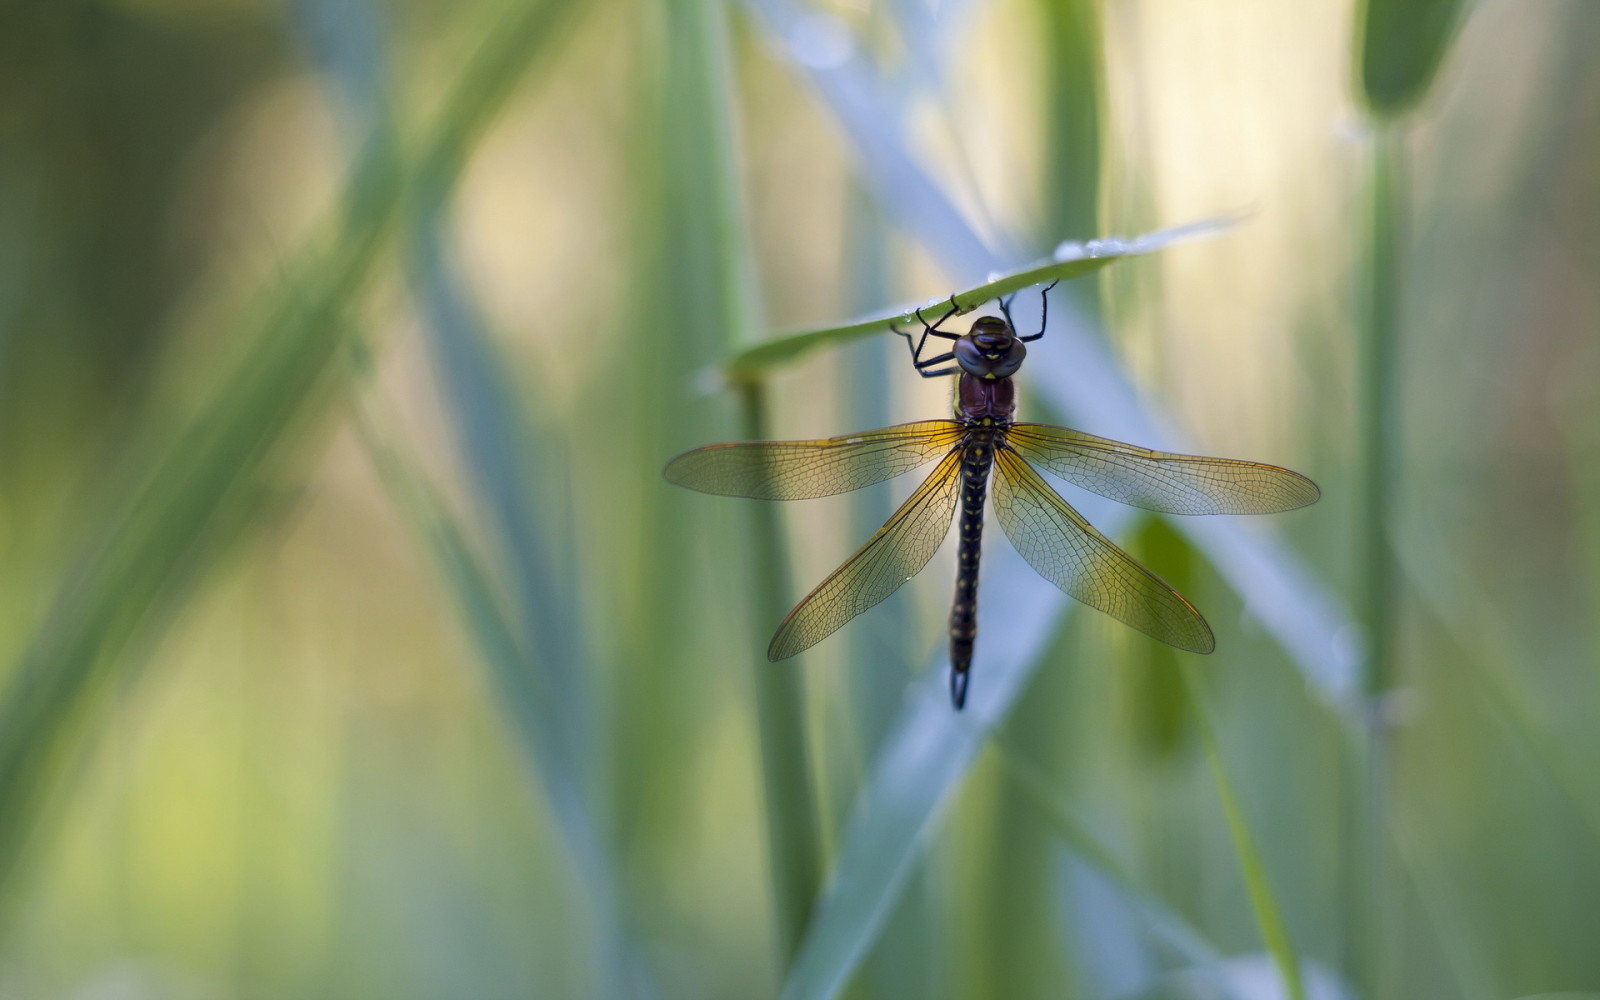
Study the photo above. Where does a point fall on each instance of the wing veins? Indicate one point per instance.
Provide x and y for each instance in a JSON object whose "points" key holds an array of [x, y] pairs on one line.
{"points": [[1162, 481], [799, 470], [895, 553], [1071, 553]]}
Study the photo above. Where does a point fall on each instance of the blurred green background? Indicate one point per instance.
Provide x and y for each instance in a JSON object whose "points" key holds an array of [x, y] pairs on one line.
{"points": [[353, 647]]}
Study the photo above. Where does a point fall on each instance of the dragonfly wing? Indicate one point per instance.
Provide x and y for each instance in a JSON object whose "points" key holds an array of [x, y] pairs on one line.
{"points": [[800, 470], [894, 555], [1160, 480], [1068, 551]]}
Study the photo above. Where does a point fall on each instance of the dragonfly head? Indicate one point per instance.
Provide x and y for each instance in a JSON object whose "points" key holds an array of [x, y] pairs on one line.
{"points": [[990, 349]]}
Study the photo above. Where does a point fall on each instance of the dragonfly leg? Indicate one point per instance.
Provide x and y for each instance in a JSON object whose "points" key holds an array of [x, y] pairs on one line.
{"points": [[1044, 313], [1005, 309], [943, 371], [934, 329], [917, 360]]}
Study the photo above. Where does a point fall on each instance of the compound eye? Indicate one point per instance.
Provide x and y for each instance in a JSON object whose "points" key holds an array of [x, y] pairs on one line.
{"points": [[970, 357], [1008, 365]]}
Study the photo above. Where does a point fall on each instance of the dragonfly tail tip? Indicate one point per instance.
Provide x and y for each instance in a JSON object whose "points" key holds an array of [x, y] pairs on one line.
{"points": [[958, 688]]}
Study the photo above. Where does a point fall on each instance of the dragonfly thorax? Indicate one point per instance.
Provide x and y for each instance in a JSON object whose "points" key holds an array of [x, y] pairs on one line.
{"points": [[984, 400], [990, 350]]}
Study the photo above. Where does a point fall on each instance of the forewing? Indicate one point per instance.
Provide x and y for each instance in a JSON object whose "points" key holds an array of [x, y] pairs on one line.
{"points": [[894, 555], [800, 470], [1160, 480], [1068, 551]]}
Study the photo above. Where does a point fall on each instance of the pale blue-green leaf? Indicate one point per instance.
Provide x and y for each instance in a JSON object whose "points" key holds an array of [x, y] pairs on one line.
{"points": [[1070, 260], [1247, 977]]}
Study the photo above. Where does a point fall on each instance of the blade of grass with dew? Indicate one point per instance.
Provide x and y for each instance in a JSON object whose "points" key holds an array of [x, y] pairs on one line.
{"points": [[184, 492], [1072, 260], [1269, 915]]}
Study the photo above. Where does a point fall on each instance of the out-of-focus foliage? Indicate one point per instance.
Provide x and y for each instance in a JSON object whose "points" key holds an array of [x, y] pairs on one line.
{"points": [[352, 645], [1401, 45]]}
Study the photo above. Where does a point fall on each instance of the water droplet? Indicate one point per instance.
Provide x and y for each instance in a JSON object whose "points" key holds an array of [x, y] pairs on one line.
{"points": [[993, 276], [822, 41], [1068, 250]]}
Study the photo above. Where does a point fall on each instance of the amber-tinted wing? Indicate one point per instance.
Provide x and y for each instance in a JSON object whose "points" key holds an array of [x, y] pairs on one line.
{"points": [[1160, 480], [800, 470], [894, 555], [1070, 553]]}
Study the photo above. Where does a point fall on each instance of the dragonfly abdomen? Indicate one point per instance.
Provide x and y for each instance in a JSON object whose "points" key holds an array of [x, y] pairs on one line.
{"points": [[977, 460]]}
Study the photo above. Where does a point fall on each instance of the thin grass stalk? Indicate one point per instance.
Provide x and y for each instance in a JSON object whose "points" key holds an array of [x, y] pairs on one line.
{"points": [[698, 33], [1381, 438], [1263, 902], [1380, 405], [792, 832]]}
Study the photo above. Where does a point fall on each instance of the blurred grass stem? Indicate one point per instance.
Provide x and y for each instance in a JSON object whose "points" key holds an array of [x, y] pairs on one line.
{"points": [[792, 827], [1268, 914], [1381, 439]]}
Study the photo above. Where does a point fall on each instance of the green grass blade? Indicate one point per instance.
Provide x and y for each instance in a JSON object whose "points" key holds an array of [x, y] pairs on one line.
{"points": [[789, 793], [529, 698], [189, 496], [922, 760], [1268, 914], [1072, 260], [1177, 932]]}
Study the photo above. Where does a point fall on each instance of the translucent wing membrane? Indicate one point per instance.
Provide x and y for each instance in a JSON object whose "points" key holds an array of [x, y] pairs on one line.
{"points": [[1070, 553], [891, 557], [800, 470], [1159, 480]]}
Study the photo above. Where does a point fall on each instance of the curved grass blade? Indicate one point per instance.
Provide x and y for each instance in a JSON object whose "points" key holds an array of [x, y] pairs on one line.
{"points": [[1167, 923], [181, 499], [1269, 915], [921, 761], [537, 658], [1071, 260]]}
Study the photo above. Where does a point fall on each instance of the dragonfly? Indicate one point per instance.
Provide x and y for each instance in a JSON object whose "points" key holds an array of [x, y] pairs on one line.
{"points": [[982, 445]]}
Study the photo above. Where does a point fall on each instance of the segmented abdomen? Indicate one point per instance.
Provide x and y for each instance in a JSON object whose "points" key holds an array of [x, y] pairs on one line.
{"points": [[975, 466]]}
